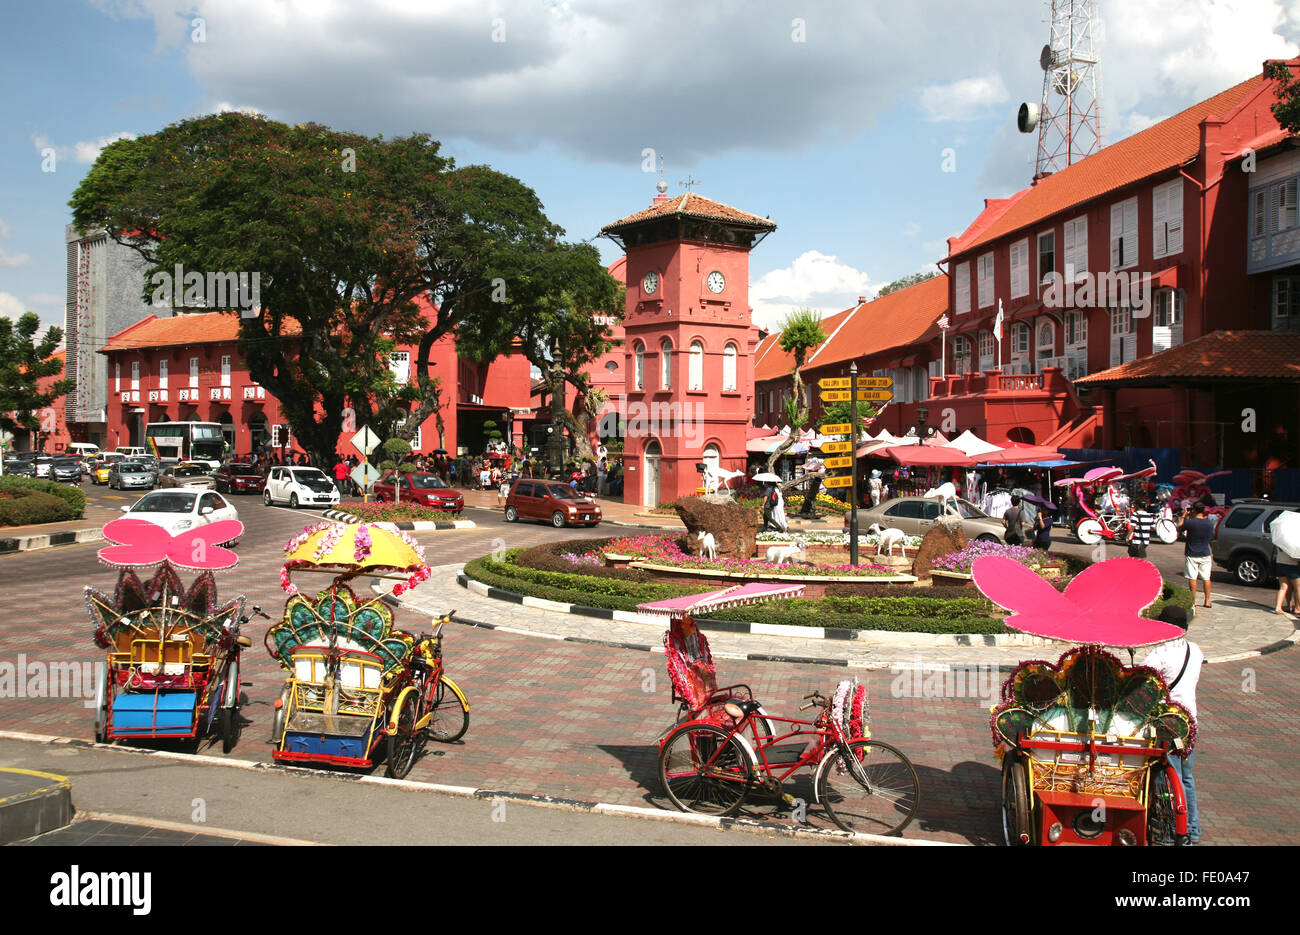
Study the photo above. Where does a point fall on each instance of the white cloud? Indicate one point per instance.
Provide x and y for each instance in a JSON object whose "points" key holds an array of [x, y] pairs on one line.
{"points": [[4, 230], [813, 280], [14, 260], [82, 151], [11, 306], [966, 99], [911, 229]]}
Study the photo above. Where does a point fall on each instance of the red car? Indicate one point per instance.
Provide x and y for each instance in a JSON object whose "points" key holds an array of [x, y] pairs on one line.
{"points": [[424, 489], [238, 478], [552, 501]]}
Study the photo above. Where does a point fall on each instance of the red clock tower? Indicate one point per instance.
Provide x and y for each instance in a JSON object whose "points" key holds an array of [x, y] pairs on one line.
{"points": [[688, 341]]}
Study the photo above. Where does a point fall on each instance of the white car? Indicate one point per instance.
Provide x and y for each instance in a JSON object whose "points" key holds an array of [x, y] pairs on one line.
{"points": [[299, 486], [179, 509]]}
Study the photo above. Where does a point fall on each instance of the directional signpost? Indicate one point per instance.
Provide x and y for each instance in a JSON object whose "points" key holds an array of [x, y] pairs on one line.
{"points": [[832, 463], [844, 481], [365, 475], [849, 390]]}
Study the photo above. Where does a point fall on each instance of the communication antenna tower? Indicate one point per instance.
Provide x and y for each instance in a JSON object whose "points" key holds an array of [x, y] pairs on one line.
{"points": [[1069, 119]]}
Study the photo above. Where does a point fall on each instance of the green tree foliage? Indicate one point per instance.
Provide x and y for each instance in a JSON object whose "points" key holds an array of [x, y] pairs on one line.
{"points": [[1287, 108], [362, 244], [910, 280], [801, 331], [23, 362]]}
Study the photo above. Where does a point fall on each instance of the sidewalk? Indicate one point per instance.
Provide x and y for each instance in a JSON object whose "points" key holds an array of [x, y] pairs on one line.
{"points": [[1232, 630], [44, 535]]}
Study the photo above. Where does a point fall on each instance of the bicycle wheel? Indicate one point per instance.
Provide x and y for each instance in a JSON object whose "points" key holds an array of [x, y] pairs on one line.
{"points": [[1017, 810], [450, 716], [705, 770], [1162, 823], [877, 796], [404, 743]]}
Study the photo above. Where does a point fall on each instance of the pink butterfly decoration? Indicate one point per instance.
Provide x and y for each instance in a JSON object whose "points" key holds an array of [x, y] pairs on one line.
{"points": [[1103, 604], [140, 543]]}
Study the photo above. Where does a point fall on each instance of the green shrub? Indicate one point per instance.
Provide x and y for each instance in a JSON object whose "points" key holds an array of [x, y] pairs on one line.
{"points": [[31, 507], [586, 590], [1171, 593], [73, 496]]}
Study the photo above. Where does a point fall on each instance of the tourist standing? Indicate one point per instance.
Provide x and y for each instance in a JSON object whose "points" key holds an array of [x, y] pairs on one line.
{"points": [[1143, 522], [1288, 577], [1196, 552], [876, 487], [1179, 664], [1014, 521]]}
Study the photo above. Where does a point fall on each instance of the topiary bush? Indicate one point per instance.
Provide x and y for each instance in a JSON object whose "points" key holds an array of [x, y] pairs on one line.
{"points": [[75, 497], [23, 507]]}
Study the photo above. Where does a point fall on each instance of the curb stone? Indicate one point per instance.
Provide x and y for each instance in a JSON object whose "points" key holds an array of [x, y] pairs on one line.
{"points": [[415, 526], [48, 540]]}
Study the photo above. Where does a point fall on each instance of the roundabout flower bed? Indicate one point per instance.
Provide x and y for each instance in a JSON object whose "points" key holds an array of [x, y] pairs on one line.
{"points": [[397, 512], [665, 551]]}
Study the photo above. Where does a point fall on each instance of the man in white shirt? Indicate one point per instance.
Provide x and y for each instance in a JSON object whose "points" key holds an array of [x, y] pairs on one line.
{"points": [[1179, 664]]}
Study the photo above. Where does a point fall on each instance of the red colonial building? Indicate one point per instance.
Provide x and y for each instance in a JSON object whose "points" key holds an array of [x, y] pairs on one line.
{"points": [[688, 378], [187, 368]]}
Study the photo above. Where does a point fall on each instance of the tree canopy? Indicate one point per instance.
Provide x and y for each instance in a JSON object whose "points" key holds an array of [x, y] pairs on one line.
{"points": [[801, 331], [361, 244], [24, 361], [910, 280]]}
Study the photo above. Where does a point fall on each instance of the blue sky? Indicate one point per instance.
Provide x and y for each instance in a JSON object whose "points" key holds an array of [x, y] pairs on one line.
{"points": [[831, 118]]}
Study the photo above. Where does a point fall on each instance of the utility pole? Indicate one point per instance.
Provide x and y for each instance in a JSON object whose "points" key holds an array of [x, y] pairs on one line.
{"points": [[853, 453]]}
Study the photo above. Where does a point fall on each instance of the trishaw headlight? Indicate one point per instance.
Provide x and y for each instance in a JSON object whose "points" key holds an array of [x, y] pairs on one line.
{"points": [[1054, 832], [1127, 837], [733, 710]]}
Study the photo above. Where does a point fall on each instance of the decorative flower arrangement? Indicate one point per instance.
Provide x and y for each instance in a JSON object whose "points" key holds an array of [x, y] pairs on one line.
{"points": [[588, 558], [963, 560], [420, 574], [664, 550], [361, 544]]}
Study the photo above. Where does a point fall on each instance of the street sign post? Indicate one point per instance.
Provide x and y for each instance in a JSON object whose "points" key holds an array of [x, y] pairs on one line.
{"points": [[834, 448], [873, 382], [836, 428], [365, 441], [833, 463], [834, 383], [836, 396], [839, 482], [365, 475], [853, 473], [876, 395]]}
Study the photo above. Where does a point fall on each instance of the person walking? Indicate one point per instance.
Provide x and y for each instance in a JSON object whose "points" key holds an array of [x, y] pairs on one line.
{"points": [[1179, 664], [1288, 578], [1143, 521], [1196, 553], [876, 486], [341, 477], [1014, 521], [1043, 529]]}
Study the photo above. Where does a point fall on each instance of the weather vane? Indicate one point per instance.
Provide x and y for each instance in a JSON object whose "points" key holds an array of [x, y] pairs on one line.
{"points": [[690, 181]]}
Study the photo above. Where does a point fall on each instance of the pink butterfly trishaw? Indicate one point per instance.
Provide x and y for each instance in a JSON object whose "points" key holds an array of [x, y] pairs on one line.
{"points": [[172, 669], [1113, 521], [1085, 742]]}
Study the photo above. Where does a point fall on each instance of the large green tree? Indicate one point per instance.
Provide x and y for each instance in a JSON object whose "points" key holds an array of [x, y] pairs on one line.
{"points": [[1287, 108], [559, 301], [362, 244], [24, 361], [801, 331], [909, 280]]}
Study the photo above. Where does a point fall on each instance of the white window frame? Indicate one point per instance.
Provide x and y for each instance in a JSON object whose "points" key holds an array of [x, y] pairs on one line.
{"points": [[1124, 234], [399, 362], [638, 365], [1020, 268], [1056, 267], [117, 376], [1120, 320], [1166, 319], [961, 351], [1286, 292], [1044, 350], [1259, 212], [666, 364], [1079, 320], [695, 366], [194, 371], [225, 369], [962, 286], [1076, 247], [988, 348], [730, 357], [135, 375], [162, 374], [985, 270], [1167, 219]]}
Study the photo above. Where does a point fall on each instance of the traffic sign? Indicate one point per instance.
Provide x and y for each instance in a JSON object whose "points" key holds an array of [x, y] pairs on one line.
{"points": [[832, 463], [835, 428], [365, 441], [365, 474], [838, 482], [834, 383], [879, 382], [837, 447], [876, 395], [836, 396]]}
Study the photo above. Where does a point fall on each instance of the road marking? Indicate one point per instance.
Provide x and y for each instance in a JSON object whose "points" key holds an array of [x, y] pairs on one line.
{"points": [[162, 825]]}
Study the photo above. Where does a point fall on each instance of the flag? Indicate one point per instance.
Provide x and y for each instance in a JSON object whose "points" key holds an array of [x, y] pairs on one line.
{"points": [[943, 323], [997, 322]]}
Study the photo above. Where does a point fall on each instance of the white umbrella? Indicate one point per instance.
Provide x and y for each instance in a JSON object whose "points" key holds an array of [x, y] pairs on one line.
{"points": [[972, 444], [767, 477], [1285, 530]]}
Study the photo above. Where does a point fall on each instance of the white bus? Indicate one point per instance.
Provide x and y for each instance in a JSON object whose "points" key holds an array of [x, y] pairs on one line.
{"points": [[186, 441]]}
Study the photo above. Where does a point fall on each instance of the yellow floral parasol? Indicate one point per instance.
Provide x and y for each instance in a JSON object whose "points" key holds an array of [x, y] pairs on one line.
{"points": [[350, 550]]}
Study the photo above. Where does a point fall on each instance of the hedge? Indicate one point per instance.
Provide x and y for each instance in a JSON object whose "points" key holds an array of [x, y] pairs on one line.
{"points": [[587, 590], [75, 497], [33, 507]]}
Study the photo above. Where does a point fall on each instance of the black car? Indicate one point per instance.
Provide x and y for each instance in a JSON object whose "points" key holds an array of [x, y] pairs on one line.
{"points": [[19, 466], [65, 471]]}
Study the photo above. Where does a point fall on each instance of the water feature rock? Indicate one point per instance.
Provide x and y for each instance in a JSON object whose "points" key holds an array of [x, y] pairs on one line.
{"points": [[734, 527]]}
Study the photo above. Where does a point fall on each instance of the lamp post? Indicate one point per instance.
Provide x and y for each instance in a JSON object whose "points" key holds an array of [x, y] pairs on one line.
{"points": [[853, 454], [922, 430]]}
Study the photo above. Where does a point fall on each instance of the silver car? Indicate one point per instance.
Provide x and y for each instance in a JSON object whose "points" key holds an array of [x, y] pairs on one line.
{"points": [[916, 516], [1242, 543], [130, 475]]}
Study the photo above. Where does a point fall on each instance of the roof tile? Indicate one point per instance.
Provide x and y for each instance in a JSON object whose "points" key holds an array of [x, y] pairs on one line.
{"points": [[1220, 355]]}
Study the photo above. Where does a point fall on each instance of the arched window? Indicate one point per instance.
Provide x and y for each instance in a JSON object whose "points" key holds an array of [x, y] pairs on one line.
{"points": [[729, 368], [638, 353], [711, 456], [666, 364], [695, 371]]}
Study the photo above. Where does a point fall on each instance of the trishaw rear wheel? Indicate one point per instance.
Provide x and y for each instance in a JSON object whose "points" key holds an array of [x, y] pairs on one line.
{"points": [[1162, 826], [878, 795], [404, 743], [705, 770], [1017, 812]]}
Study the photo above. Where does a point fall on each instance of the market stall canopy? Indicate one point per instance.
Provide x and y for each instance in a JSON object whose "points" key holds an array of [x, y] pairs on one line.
{"points": [[929, 456], [972, 444], [1020, 454]]}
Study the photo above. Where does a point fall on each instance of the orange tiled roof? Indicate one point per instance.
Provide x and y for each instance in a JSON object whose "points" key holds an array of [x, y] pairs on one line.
{"points": [[772, 363], [205, 328], [1218, 356], [1159, 148], [697, 206]]}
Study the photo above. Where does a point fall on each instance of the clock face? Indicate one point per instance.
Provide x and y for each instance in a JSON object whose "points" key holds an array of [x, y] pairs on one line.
{"points": [[651, 282], [716, 282]]}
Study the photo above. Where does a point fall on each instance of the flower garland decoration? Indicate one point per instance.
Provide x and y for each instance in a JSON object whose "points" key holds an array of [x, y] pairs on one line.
{"points": [[361, 544]]}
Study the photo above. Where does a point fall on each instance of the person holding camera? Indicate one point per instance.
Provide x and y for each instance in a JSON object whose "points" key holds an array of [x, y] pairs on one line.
{"points": [[1196, 553]]}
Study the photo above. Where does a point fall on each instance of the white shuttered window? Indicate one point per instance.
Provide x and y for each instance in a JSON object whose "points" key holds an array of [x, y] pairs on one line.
{"points": [[963, 288], [1020, 268], [1167, 219], [986, 280], [1123, 234], [1076, 247]]}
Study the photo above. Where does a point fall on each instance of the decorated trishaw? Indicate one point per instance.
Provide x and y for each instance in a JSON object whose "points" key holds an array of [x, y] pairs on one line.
{"points": [[359, 689], [1113, 522], [172, 666], [723, 744], [1085, 742]]}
